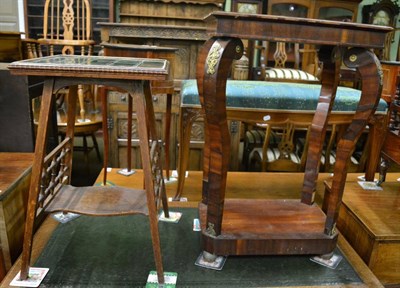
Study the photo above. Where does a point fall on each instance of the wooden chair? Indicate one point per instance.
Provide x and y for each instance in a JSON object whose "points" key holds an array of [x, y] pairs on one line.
{"points": [[31, 48], [291, 139], [284, 62], [67, 30], [279, 62]]}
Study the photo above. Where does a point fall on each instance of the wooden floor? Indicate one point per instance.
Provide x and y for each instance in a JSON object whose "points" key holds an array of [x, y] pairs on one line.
{"points": [[240, 185], [254, 185]]}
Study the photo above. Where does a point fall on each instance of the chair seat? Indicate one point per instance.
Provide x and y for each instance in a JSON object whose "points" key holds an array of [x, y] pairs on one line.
{"points": [[277, 96]]}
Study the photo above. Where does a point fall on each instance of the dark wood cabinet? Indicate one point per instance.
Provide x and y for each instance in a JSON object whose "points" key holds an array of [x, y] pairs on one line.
{"points": [[175, 24], [118, 128]]}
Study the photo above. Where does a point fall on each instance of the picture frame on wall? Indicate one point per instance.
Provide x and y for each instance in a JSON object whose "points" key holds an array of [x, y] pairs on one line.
{"points": [[248, 6]]}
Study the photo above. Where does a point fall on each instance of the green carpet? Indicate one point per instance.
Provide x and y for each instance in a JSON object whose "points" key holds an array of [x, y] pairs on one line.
{"points": [[116, 252]]}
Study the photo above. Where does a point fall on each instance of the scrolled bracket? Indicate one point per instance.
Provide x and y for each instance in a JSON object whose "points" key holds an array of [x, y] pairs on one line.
{"points": [[355, 57]]}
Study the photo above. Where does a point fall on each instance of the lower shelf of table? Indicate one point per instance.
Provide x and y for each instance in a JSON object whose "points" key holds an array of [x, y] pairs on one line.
{"points": [[99, 200], [268, 227]]}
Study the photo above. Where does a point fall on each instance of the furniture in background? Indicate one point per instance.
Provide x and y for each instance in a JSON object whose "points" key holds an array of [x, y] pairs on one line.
{"points": [[15, 175], [51, 173], [31, 48], [176, 13], [10, 46], [17, 124], [391, 70], [179, 25], [388, 134], [390, 152], [288, 105], [34, 19], [384, 13], [165, 88], [187, 41], [67, 30], [328, 10], [261, 227], [369, 220]]}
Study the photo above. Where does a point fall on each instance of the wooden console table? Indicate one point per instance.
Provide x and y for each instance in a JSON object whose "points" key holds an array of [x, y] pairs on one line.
{"points": [[51, 174], [261, 227]]}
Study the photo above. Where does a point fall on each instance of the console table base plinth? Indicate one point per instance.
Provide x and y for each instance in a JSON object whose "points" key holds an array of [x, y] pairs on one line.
{"points": [[268, 227]]}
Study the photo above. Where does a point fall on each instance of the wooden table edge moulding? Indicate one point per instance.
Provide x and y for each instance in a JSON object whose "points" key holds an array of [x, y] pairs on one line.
{"points": [[49, 188], [279, 227]]}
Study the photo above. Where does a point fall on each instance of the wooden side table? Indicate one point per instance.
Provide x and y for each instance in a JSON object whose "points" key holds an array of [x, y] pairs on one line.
{"points": [[261, 227], [49, 188]]}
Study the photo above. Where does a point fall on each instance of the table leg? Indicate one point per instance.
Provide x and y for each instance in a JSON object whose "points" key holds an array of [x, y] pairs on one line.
{"points": [[330, 81], [41, 140], [370, 71], [187, 117], [150, 151], [212, 71], [38, 162]]}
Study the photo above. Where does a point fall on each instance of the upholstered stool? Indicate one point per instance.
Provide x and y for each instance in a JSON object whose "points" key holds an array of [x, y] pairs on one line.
{"points": [[274, 103]]}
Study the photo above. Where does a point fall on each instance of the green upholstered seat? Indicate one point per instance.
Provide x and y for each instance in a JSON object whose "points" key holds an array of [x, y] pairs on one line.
{"points": [[277, 96]]}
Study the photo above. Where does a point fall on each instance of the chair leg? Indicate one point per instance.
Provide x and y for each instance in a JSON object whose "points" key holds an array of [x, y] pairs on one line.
{"points": [[81, 97], [86, 150], [167, 133], [103, 97], [187, 116], [96, 146]]}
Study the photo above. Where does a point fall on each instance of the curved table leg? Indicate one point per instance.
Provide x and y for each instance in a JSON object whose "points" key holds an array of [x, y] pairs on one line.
{"points": [[330, 81], [371, 74], [212, 71]]}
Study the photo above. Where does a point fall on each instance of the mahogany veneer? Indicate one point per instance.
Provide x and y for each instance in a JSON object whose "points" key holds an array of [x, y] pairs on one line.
{"points": [[269, 227], [224, 45]]}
